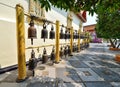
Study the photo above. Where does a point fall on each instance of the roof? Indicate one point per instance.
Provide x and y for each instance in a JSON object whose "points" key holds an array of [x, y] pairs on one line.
{"points": [[82, 16]]}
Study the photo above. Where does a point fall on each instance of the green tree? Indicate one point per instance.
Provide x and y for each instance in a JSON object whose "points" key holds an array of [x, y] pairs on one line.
{"points": [[108, 23]]}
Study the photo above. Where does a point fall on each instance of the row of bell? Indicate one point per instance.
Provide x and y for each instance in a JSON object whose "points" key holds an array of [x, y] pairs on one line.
{"points": [[63, 52], [32, 33]]}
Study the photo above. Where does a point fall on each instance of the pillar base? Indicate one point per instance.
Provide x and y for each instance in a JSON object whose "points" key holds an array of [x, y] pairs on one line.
{"points": [[21, 80], [71, 55], [56, 62], [117, 57]]}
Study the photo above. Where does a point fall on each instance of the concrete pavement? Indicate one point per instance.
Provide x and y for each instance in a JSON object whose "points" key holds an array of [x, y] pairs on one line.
{"points": [[93, 67]]}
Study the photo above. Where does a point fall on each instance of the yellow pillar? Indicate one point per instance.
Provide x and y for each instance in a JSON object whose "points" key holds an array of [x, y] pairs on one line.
{"points": [[57, 59], [79, 40], [21, 42], [71, 40]]}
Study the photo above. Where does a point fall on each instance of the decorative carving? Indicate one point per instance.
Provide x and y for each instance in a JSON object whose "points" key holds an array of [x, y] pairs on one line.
{"points": [[69, 20], [35, 9]]}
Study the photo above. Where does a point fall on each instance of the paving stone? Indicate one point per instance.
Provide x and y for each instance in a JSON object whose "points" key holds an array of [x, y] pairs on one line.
{"points": [[115, 84], [107, 64], [98, 84], [116, 70], [105, 57], [86, 74], [13, 84], [67, 75], [71, 85], [94, 57], [92, 64], [83, 58], [78, 64], [107, 74], [39, 84]]}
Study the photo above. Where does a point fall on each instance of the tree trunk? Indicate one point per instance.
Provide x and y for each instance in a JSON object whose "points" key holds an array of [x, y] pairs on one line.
{"points": [[112, 44]]}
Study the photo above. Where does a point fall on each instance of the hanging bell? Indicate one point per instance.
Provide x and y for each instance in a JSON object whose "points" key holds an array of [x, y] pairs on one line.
{"points": [[32, 54], [53, 54], [32, 33], [61, 52], [73, 35], [73, 48], [44, 56], [69, 51], [62, 35], [44, 32], [66, 35], [76, 35], [52, 33], [69, 35], [65, 51], [32, 62]]}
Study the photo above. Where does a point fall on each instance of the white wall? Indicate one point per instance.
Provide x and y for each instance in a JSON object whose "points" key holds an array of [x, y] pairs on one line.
{"points": [[8, 43]]}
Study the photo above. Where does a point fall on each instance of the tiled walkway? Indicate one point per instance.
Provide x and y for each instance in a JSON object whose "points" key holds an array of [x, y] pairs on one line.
{"points": [[93, 67]]}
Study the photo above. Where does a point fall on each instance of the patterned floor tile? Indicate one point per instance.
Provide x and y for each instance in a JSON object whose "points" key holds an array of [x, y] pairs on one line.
{"points": [[98, 84], [107, 74], [86, 74], [78, 64], [92, 64]]}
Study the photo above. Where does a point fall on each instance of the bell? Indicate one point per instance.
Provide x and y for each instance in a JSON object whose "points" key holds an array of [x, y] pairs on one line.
{"points": [[32, 33], [69, 35], [32, 54], [61, 34], [66, 35], [73, 35], [69, 51], [53, 54], [61, 52], [32, 62], [65, 51], [44, 56], [44, 32], [76, 35], [73, 48], [52, 33]]}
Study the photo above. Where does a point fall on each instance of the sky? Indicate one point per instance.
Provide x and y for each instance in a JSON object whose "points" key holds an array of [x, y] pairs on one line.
{"points": [[90, 19]]}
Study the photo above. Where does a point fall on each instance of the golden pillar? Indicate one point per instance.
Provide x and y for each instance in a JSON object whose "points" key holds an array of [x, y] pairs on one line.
{"points": [[71, 40], [20, 42], [57, 59], [79, 40]]}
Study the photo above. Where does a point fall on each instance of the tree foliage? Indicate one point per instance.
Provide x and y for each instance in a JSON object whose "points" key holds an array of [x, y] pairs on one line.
{"points": [[74, 5], [108, 23]]}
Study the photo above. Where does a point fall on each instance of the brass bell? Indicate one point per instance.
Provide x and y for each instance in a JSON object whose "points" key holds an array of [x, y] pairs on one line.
{"points": [[44, 32], [44, 56], [32, 33], [66, 35], [53, 54], [61, 52], [76, 35], [69, 35], [32, 54], [73, 48], [73, 35], [52, 33], [32, 62], [69, 51], [65, 51], [61, 33]]}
